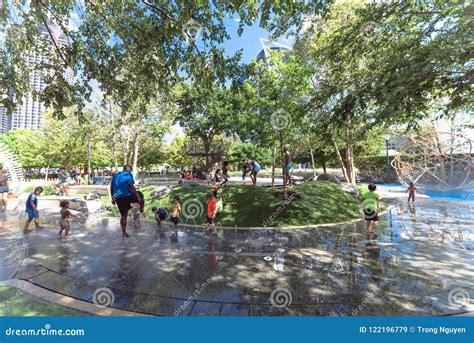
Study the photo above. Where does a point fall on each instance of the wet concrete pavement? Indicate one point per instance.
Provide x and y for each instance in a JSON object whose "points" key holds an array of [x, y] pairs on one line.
{"points": [[421, 264]]}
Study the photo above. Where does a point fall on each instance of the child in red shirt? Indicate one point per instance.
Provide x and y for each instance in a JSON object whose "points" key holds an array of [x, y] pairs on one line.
{"points": [[211, 212]]}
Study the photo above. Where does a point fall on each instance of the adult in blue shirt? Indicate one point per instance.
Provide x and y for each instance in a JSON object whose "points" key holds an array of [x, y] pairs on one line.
{"points": [[255, 168], [124, 193]]}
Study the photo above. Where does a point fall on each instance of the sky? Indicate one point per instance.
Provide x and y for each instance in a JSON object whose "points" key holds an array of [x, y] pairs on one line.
{"points": [[249, 42]]}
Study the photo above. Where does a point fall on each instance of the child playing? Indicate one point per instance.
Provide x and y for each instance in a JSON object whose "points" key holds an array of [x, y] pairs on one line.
{"points": [[32, 209], [245, 169], [370, 205], [219, 196], [65, 214], [135, 212], [225, 173], [411, 189], [211, 212], [160, 215], [175, 212]]}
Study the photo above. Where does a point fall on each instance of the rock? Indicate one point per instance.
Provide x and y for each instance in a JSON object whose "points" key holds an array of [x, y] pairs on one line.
{"points": [[346, 187], [328, 177], [93, 196], [160, 191]]}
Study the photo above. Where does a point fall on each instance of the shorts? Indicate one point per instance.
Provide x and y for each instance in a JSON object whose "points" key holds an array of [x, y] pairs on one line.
{"points": [[124, 204], [32, 214], [64, 224], [160, 217], [371, 215], [63, 184], [174, 220], [289, 168], [4, 189], [210, 220]]}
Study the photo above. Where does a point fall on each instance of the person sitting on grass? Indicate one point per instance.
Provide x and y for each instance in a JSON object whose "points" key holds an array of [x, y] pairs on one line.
{"points": [[370, 205], [32, 209], [175, 212], [64, 220], [211, 212]]}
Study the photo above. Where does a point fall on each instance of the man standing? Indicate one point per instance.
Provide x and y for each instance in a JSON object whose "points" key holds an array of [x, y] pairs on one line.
{"points": [[122, 189]]}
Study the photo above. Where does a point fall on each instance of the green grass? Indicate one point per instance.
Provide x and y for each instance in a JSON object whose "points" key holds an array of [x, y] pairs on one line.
{"points": [[15, 302], [321, 202]]}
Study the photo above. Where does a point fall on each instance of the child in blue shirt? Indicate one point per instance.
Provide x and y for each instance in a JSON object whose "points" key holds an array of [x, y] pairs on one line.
{"points": [[32, 209]]}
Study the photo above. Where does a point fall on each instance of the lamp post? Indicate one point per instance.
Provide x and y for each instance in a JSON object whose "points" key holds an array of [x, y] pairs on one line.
{"points": [[387, 138]]}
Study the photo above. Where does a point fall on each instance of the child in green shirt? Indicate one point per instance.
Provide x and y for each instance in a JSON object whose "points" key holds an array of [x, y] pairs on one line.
{"points": [[370, 206]]}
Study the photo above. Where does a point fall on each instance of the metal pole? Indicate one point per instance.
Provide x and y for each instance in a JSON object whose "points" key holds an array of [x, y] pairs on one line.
{"points": [[388, 161]]}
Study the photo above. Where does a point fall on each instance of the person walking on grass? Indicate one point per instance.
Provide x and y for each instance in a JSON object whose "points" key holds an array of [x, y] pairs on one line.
{"points": [[370, 205], [4, 189], [411, 189], [124, 193], [32, 209]]}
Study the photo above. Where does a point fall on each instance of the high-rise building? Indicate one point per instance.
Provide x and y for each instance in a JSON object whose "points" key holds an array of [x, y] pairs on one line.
{"points": [[4, 121], [29, 112]]}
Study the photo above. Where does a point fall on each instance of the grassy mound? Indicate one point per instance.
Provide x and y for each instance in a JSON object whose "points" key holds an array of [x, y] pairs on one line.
{"points": [[249, 206], [15, 302]]}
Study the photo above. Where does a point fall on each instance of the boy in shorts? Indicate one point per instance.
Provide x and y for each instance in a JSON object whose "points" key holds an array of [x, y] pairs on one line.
{"points": [[175, 212], [370, 206], [211, 212], [32, 209]]}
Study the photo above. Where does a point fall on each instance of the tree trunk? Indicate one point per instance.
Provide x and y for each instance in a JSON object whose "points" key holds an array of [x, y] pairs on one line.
{"points": [[273, 167], [285, 189], [349, 158], [136, 147], [339, 158], [312, 162], [324, 166]]}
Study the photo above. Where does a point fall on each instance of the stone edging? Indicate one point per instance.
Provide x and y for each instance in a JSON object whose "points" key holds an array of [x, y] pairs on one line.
{"points": [[63, 300], [313, 226]]}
